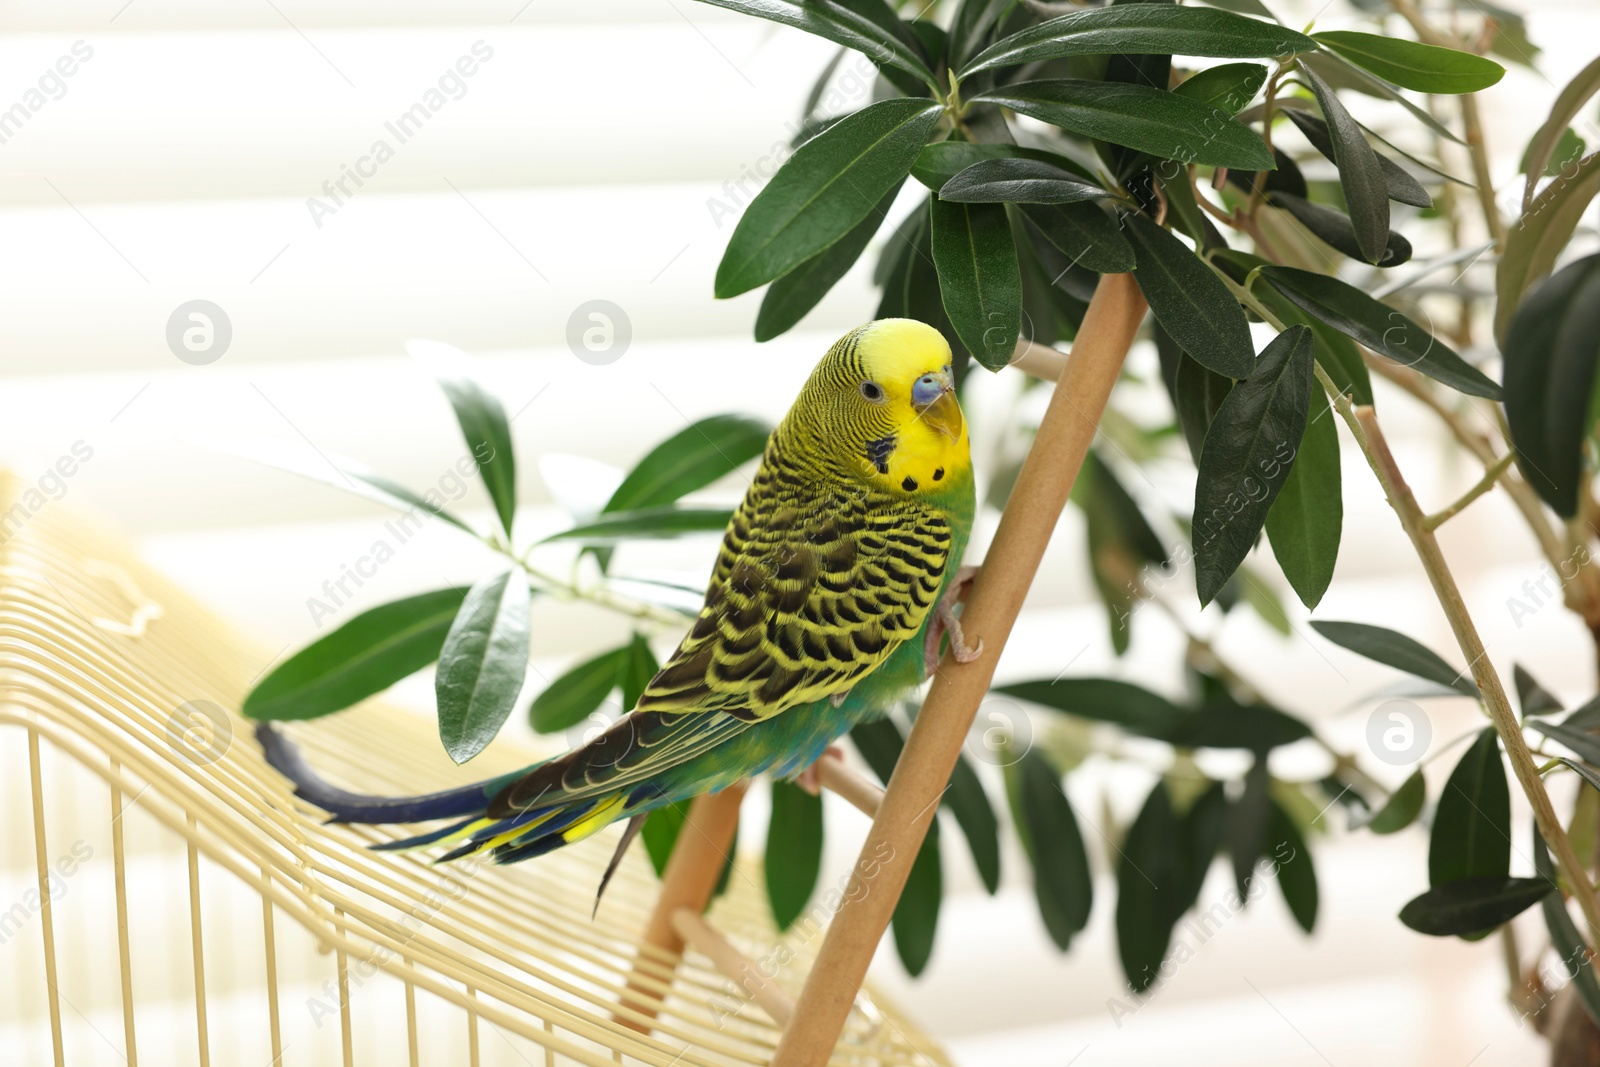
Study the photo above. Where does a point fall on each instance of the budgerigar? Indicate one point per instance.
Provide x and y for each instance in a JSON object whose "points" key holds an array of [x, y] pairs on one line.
{"points": [[836, 577]]}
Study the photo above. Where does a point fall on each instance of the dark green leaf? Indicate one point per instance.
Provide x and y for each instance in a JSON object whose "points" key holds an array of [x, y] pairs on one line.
{"points": [[1201, 832], [943, 160], [1395, 650], [1018, 181], [920, 296], [1136, 116], [895, 260], [1334, 228], [1134, 709], [364, 656], [1189, 301], [1532, 698], [1336, 353], [916, 916], [482, 663], [1402, 807], [1297, 876], [1113, 504], [1472, 905], [1185, 210], [1120, 543], [1248, 453], [979, 281], [570, 699], [1305, 522], [1246, 832], [1581, 741], [1573, 950], [1049, 832], [824, 190], [1286, 179], [855, 25], [1228, 87], [1379, 327], [652, 523], [1551, 351], [1142, 29], [1472, 826], [1541, 235], [791, 297], [1397, 181], [794, 851], [1225, 723], [1084, 233], [1586, 716], [1366, 189], [638, 667], [969, 803], [1424, 68], [1341, 73], [973, 28], [1150, 884], [879, 743], [1243, 7], [727, 867], [483, 425], [690, 459], [1050, 312], [1197, 391], [660, 833]]}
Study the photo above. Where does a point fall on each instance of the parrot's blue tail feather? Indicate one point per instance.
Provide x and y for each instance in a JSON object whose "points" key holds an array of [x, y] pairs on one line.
{"points": [[345, 806], [515, 836]]}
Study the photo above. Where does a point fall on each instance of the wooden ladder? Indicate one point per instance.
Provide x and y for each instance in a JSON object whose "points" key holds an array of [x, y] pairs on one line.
{"points": [[901, 812]]}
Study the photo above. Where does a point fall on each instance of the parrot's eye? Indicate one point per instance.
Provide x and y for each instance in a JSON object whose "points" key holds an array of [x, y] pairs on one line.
{"points": [[872, 391]]}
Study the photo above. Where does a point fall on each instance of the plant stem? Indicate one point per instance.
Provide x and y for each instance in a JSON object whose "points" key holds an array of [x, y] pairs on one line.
{"points": [[1484, 181], [1522, 494], [605, 598], [1471, 121], [1363, 424], [1258, 185], [1486, 483]]}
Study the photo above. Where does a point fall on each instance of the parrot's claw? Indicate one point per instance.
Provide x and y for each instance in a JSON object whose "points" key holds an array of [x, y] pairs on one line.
{"points": [[810, 779], [945, 621]]}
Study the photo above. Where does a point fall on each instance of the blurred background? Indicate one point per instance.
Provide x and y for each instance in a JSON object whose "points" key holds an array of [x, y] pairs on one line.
{"points": [[224, 152]]}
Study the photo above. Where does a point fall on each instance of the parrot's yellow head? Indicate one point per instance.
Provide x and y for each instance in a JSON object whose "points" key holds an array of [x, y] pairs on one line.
{"points": [[882, 406]]}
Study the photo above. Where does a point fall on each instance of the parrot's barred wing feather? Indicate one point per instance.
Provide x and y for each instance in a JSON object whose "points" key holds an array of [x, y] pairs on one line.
{"points": [[815, 586], [807, 597]]}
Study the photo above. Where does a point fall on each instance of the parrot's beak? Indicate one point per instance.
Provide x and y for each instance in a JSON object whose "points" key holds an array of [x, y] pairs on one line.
{"points": [[944, 412]]}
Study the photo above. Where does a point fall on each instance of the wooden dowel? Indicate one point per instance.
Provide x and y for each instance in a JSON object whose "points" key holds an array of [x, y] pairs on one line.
{"points": [[691, 876], [739, 969], [836, 776], [1039, 361], [931, 750]]}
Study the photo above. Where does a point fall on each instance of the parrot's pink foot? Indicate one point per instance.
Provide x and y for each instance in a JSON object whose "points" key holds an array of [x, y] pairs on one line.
{"points": [[810, 779], [945, 621]]}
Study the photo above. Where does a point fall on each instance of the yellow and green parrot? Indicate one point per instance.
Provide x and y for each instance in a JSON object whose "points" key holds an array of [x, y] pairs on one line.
{"points": [[835, 583]]}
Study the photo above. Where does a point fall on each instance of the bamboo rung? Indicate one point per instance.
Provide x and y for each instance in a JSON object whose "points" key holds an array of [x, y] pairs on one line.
{"points": [[838, 777]]}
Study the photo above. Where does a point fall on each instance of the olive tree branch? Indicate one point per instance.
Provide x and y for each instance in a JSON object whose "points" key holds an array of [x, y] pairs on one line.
{"points": [[1363, 424]]}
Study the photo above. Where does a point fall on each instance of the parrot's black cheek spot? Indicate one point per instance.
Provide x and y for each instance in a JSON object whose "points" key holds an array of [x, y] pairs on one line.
{"points": [[909, 485], [938, 474]]}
